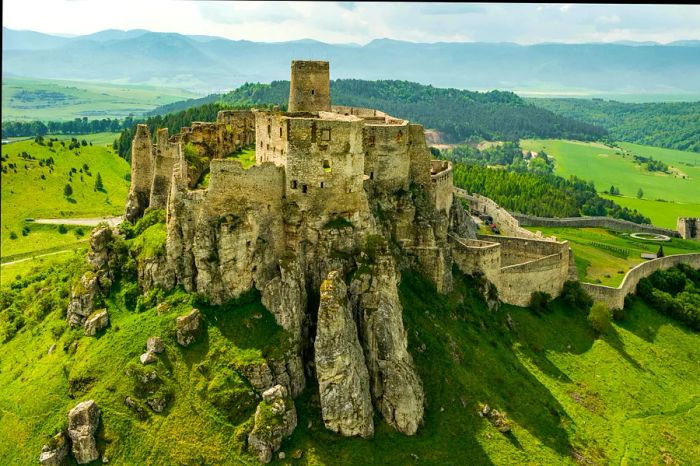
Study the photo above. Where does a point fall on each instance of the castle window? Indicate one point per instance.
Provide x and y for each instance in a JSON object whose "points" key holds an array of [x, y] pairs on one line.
{"points": [[327, 166], [399, 136], [294, 184], [280, 131], [304, 188], [325, 135], [313, 92], [371, 140], [371, 175], [322, 184], [269, 130]]}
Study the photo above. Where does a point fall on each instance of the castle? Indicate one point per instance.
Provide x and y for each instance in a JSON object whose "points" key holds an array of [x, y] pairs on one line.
{"points": [[338, 201]]}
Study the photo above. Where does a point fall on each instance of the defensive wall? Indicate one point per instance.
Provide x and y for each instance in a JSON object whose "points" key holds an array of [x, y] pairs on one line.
{"points": [[689, 228], [614, 298], [516, 266], [441, 178], [615, 224]]}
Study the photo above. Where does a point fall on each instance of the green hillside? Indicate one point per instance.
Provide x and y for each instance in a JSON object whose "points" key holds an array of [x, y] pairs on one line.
{"points": [[629, 397], [26, 195], [610, 166], [44, 99]]}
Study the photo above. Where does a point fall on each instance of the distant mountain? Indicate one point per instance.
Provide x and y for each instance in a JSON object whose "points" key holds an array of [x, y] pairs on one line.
{"points": [[210, 64]]}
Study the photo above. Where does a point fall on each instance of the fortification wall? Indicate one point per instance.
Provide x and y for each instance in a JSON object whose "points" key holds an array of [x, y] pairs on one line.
{"points": [[230, 184], [419, 156], [309, 89], [475, 256], [505, 221], [519, 250], [601, 222], [689, 228], [358, 111], [614, 298], [387, 160], [271, 135], [236, 129], [325, 168], [546, 274], [441, 184]]}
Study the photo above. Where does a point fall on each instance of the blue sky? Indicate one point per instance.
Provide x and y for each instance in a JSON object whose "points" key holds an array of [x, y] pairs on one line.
{"points": [[344, 22]]}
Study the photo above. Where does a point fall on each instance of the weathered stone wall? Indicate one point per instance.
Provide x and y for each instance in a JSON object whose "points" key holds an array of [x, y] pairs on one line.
{"points": [[476, 256], [387, 159], [582, 222], [141, 174], [614, 298], [419, 156], [236, 128], [689, 228], [503, 219], [518, 250], [309, 89], [271, 135], [442, 188], [547, 274], [167, 154], [366, 113]]}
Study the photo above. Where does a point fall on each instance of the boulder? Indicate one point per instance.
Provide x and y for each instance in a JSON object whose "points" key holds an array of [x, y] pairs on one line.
{"points": [[55, 452], [97, 321], [189, 327], [98, 254], [83, 421], [343, 380], [275, 418], [82, 299], [148, 357], [155, 345]]}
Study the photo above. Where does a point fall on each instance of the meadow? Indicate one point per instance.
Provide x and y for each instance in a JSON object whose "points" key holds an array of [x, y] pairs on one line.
{"points": [[610, 166], [596, 264], [33, 188], [43, 99]]}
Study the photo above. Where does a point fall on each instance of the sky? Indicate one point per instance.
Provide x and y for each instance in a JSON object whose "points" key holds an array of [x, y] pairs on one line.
{"points": [[349, 22]]}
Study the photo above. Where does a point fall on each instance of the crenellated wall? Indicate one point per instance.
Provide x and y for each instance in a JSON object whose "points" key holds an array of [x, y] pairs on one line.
{"points": [[614, 298]]}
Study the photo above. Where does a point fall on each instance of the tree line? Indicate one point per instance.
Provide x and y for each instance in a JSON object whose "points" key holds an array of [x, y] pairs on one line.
{"points": [[75, 126]]}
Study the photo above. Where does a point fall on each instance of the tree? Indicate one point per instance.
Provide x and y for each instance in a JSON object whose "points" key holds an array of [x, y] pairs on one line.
{"points": [[599, 317], [68, 190], [640, 193], [98, 183], [660, 253]]}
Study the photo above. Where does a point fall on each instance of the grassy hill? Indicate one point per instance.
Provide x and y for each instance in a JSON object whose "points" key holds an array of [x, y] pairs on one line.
{"points": [[25, 194], [26, 99], [607, 166], [629, 397]]}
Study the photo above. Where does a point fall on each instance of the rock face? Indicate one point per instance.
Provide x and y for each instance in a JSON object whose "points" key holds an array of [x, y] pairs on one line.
{"points": [[155, 345], [275, 418], [396, 388], [343, 380], [82, 299], [55, 452], [188, 327], [83, 421], [97, 321]]}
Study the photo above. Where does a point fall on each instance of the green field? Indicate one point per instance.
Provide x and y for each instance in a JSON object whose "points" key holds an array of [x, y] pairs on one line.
{"points": [[630, 397], [44, 99], [595, 264], [662, 214], [25, 195], [607, 166]]}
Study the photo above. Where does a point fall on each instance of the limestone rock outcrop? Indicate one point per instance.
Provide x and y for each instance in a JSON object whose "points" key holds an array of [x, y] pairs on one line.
{"points": [[275, 418], [342, 376], [97, 321], [82, 299], [83, 421], [188, 327], [155, 345], [55, 452], [396, 388]]}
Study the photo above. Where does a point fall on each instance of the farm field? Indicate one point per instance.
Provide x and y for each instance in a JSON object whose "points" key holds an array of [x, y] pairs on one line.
{"points": [[598, 264], [662, 214], [607, 166], [45, 99], [25, 195]]}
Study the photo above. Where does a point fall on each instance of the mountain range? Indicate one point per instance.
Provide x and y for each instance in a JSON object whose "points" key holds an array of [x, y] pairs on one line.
{"points": [[206, 63]]}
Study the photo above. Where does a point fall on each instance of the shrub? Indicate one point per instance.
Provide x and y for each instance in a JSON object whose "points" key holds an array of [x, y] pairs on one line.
{"points": [[539, 301], [575, 296], [62, 229], [599, 317], [13, 235]]}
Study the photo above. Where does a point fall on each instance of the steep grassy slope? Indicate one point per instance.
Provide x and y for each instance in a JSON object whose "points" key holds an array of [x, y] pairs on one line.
{"points": [[25, 194], [629, 397]]}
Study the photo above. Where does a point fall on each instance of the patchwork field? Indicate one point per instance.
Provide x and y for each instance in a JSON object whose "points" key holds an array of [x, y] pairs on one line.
{"points": [[44, 99], [603, 256], [33, 187], [609, 166]]}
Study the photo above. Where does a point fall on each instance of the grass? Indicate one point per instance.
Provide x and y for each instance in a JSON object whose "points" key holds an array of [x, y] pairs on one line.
{"points": [[600, 265], [26, 195], [607, 166], [627, 398], [12, 272], [245, 155], [44, 99], [662, 214]]}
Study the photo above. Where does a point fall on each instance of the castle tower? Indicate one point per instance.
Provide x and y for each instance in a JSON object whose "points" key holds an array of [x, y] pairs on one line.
{"points": [[141, 173], [310, 87]]}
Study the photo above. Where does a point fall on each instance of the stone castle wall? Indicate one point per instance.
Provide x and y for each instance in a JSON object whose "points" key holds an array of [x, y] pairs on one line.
{"points": [[475, 256], [271, 136], [309, 87], [442, 188], [600, 222], [614, 298], [387, 159], [503, 219], [689, 228], [546, 274]]}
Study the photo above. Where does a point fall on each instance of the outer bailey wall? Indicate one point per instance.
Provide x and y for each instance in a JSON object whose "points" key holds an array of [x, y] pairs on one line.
{"points": [[338, 188], [614, 298], [387, 159], [474, 256], [505, 221], [442, 188], [547, 274], [519, 250], [603, 222]]}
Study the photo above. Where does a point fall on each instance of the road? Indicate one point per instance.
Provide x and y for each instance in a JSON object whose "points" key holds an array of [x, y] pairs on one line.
{"points": [[87, 222]]}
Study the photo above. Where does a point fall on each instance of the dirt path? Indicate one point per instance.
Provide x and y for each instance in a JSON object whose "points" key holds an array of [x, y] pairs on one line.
{"points": [[36, 257], [88, 222]]}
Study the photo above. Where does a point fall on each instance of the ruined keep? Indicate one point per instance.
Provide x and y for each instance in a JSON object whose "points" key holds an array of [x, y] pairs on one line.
{"points": [[689, 228]]}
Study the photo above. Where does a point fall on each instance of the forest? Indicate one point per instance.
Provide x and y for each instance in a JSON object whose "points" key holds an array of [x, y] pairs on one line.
{"points": [[75, 126], [673, 125]]}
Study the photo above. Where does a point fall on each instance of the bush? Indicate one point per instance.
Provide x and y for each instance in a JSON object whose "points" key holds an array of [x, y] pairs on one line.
{"points": [[575, 296], [539, 301], [13, 235], [599, 317], [62, 229]]}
